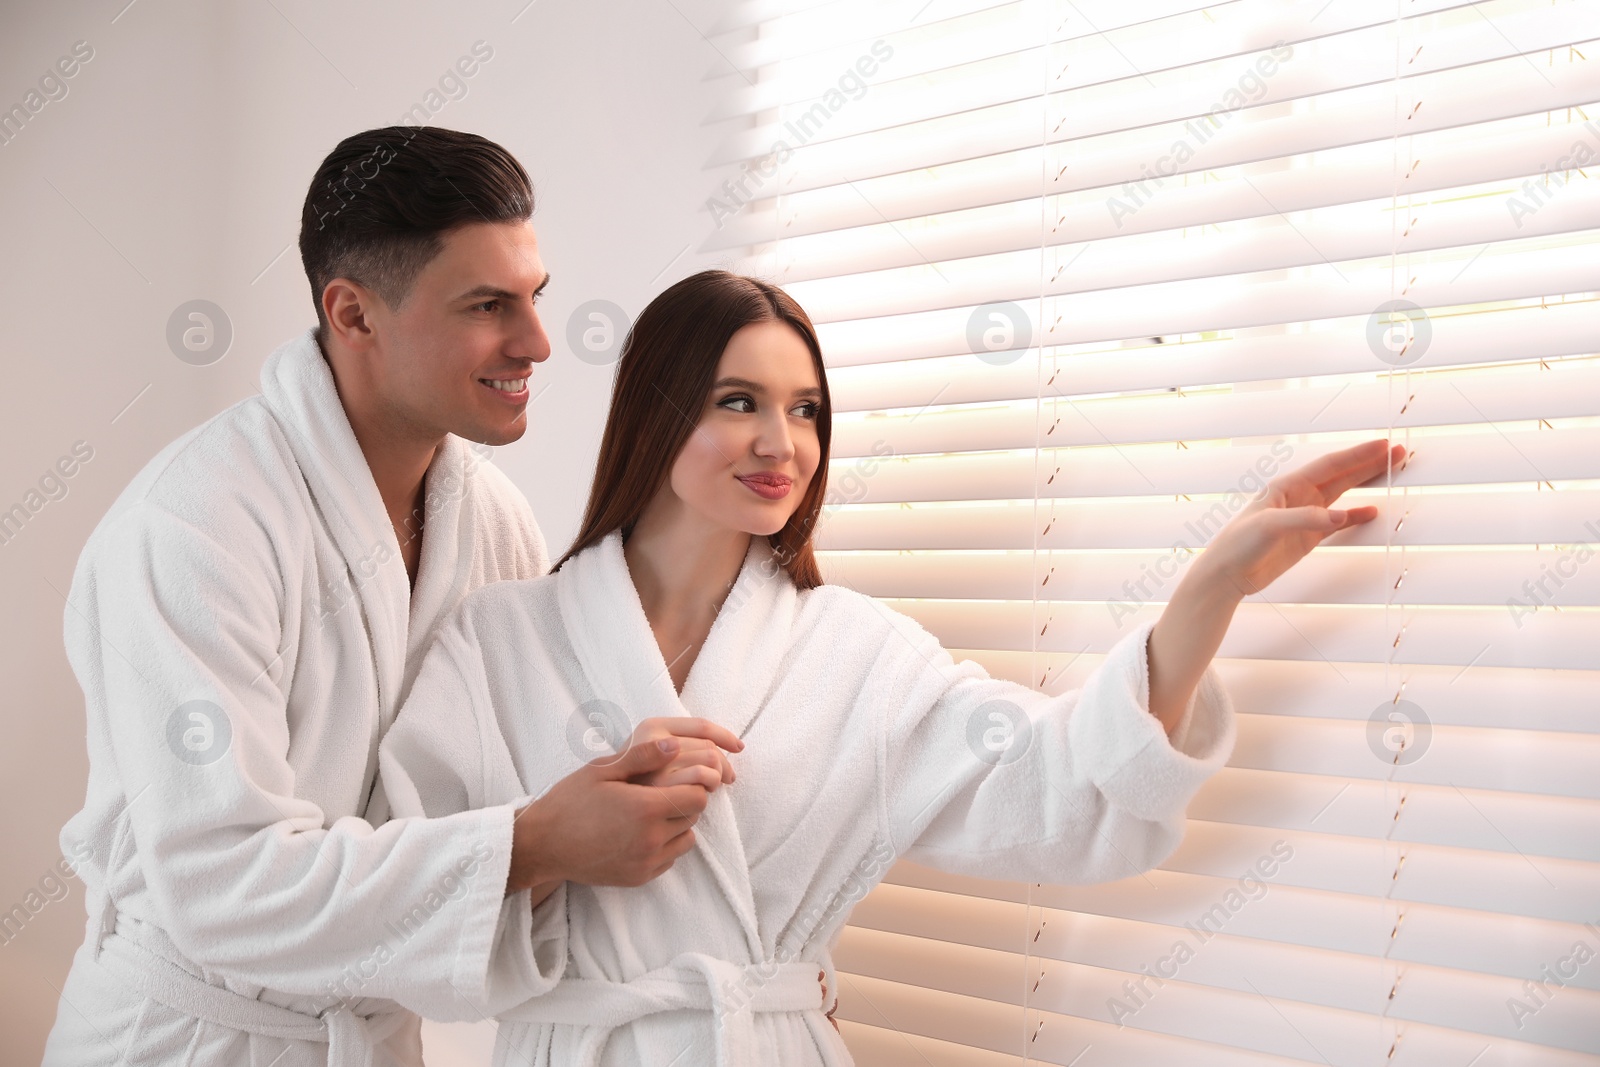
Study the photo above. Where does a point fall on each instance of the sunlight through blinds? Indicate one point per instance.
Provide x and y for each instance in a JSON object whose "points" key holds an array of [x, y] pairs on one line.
{"points": [[1085, 273]]}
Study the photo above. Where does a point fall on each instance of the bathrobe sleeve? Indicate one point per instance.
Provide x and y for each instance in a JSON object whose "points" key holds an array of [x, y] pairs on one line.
{"points": [[993, 779], [180, 643], [445, 754]]}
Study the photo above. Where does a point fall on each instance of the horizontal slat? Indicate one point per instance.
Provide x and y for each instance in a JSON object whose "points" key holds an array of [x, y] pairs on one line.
{"points": [[1491, 636], [1102, 44], [860, 219], [1527, 518], [927, 39], [1494, 884], [1467, 338], [1518, 393], [883, 1047], [992, 914], [1443, 459], [1331, 576], [1257, 1020], [1483, 93], [1262, 235], [1479, 696], [1464, 805], [804, 27], [989, 1026], [1080, 305], [1553, 889], [1522, 271], [1098, 88], [1451, 758], [1211, 955]]}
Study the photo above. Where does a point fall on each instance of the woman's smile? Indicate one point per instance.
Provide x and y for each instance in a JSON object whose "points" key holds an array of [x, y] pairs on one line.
{"points": [[769, 485]]}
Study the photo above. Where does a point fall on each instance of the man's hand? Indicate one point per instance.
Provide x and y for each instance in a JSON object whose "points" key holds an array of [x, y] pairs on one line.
{"points": [[601, 826]]}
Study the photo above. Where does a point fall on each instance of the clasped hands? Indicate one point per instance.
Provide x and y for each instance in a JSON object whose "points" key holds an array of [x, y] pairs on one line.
{"points": [[623, 820]]}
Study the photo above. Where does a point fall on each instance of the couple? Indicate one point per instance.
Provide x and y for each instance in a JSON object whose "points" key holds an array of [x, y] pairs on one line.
{"points": [[326, 581]]}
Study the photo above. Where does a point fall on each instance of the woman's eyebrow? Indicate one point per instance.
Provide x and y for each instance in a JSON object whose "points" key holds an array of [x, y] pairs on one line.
{"points": [[756, 387]]}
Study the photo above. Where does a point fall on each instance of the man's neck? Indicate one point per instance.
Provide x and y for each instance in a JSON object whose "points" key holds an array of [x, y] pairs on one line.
{"points": [[397, 454], [399, 469]]}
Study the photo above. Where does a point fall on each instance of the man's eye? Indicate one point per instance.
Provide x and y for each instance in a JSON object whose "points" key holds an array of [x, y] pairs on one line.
{"points": [[488, 303]]}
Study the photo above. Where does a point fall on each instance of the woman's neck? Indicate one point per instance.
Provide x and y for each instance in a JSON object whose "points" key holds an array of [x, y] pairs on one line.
{"points": [[683, 570]]}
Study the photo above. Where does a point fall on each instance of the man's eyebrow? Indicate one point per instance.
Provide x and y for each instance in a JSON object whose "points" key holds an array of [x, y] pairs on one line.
{"points": [[495, 293], [757, 387]]}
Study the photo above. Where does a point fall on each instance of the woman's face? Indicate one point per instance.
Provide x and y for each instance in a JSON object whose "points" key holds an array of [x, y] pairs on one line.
{"points": [[750, 460]]}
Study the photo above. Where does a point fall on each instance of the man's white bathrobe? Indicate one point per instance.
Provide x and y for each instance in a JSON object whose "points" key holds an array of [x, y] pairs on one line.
{"points": [[864, 743], [244, 630]]}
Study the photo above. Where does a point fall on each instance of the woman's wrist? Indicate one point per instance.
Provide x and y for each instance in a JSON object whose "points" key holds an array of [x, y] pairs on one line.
{"points": [[1207, 589], [1186, 638]]}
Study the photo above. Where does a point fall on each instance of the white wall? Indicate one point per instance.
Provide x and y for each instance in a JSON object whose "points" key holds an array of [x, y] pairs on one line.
{"points": [[174, 169]]}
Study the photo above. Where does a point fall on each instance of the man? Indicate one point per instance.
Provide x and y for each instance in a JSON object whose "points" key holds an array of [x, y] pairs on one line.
{"points": [[245, 622]]}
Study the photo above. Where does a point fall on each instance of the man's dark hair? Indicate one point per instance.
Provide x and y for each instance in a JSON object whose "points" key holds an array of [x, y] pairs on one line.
{"points": [[380, 203]]}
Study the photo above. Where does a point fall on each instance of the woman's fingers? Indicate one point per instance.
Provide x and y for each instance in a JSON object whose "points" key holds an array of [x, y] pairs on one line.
{"points": [[698, 740], [1256, 547], [1337, 472], [1287, 522], [698, 774], [1324, 469], [697, 761], [645, 762], [698, 750], [691, 726], [1308, 518]]}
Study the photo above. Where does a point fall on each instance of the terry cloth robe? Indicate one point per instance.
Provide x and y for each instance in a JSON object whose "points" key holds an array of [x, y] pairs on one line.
{"points": [[244, 630], [865, 742]]}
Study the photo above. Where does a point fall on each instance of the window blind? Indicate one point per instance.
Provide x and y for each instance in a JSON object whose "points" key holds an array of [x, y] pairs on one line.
{"points": [[1084, 273]]}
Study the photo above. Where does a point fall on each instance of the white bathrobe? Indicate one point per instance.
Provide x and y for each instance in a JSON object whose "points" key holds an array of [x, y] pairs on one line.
{"points": [[244, 630], [864, 742]]}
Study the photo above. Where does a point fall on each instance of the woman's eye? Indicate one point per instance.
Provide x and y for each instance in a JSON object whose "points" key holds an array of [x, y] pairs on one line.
{"points": [[725, 401], [809, 410]]}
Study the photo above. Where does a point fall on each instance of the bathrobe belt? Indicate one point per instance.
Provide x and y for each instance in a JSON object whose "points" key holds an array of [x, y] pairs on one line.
{"points": [[732, 992], [141, 966]]}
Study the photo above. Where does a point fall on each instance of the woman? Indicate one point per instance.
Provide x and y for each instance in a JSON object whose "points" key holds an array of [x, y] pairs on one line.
{"points": [[692, 589]]}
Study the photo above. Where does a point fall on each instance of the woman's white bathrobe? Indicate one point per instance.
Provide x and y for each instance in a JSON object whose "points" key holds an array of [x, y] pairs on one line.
{"points": [[864, 743], [234, 891]]}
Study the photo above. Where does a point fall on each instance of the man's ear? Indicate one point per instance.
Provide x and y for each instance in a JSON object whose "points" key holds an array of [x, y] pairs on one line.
{"points": [[348, 306]]}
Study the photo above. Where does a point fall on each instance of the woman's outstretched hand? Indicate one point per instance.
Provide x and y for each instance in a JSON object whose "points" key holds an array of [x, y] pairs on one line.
{"points": [[1272, 534], [1279, 528]]}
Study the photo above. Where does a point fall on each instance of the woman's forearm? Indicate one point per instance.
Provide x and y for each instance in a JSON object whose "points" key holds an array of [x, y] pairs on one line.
{"points": [[1185, 639]]}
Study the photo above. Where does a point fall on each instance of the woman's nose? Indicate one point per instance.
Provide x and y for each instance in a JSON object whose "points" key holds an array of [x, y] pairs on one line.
{"points": [[775, 440]]}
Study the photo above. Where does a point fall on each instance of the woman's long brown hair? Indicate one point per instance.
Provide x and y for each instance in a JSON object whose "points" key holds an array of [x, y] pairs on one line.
{"points": [[669, 360]]}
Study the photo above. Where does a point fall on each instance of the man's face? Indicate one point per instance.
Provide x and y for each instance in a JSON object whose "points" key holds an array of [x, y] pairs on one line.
{"points": [[456, 357]]}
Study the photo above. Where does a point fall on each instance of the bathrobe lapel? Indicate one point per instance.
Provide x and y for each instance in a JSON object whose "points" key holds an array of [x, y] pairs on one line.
{"points": [[298, 384], [452, 522], [735, 669]]}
